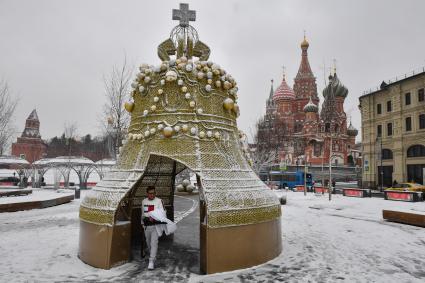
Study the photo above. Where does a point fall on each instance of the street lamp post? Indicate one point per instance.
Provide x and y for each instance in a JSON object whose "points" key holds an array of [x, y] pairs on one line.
{"points": [[330, 169], [381, 168], [305, 176]]}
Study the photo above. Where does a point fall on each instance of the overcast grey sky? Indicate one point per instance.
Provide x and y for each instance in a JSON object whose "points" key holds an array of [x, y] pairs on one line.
{"points": [[54, 53]]}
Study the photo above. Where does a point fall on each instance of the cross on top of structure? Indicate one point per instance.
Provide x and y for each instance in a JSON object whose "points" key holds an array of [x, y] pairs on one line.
{"points": [[184, 15]]}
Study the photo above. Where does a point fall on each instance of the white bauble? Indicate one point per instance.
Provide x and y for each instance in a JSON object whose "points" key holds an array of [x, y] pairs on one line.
{"points": [[209, 134], [185, 183], [185, 128], [192, 104], [162, 82], [147, 133], [152, 131], [180, 188], [193, 131], [217, 135], [153, 108], [189, 67], [160, 91], [208, 88], [160, 127], [147, 79], [170, 76], [184, 88], [167, 132], [180, 82], [177, 129], [202, 134], [145, 113], [187, 96], [141, 88], [200, 111], [190, 188], [156, 99]]}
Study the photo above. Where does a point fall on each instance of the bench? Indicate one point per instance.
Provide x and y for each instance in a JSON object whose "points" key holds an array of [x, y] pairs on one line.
{"points": [[411, 218], [403, 195]]}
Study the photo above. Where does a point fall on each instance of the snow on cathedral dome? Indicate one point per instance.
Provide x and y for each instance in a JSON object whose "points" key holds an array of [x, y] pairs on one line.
{"points": [[284, 92], [336, 87], [311, 107]]}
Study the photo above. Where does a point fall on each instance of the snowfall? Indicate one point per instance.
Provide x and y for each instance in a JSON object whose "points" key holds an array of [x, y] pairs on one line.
{"points": [[342, 240]]}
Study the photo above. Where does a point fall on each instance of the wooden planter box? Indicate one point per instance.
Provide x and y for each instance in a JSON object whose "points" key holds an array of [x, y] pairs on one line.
{"points": [[358, 193], [403, 195], [404, 217]]}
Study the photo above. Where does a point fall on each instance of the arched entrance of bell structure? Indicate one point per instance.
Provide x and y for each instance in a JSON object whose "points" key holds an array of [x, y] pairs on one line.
{"points": [[169, 176]]}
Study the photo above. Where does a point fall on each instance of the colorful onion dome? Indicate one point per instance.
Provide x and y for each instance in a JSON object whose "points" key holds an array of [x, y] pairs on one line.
{"points": [[304, 43], [283, 92], [335, 87], [351, 131], [311, 107]]}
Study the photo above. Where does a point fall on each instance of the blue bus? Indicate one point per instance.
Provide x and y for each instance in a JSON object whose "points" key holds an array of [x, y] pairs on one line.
{"points": [[284, 179]]}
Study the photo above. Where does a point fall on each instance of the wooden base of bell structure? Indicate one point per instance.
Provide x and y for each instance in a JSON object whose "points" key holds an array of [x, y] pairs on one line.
{"points": [[221, 249]]}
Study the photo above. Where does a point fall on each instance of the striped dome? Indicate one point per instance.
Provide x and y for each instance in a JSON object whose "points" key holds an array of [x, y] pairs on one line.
{"points": [[284, 92]]}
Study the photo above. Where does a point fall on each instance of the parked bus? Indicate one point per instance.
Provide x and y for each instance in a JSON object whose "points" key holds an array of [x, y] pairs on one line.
{"points": [[287, 179]]}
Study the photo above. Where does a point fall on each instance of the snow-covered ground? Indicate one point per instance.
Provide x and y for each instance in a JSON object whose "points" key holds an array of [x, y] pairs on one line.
{"points": [[344, 240]]}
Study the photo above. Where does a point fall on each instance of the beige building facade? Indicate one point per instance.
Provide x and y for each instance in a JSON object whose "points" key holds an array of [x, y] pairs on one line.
{"points": [[393, 132]]}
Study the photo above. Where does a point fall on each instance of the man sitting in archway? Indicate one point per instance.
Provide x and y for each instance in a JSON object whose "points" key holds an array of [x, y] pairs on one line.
{"points": [[150, 204]]}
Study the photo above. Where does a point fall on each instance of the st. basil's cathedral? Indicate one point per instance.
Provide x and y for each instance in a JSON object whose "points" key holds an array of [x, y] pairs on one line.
{"points": [[293, 129]]}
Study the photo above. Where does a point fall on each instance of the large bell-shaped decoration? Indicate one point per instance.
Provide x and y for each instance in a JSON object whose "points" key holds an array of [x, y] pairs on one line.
{"points": [[183, 118]]}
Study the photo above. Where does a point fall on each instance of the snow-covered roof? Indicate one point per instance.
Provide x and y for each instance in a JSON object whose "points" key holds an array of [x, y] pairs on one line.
{"points": [[73, 160], [12, 160]]}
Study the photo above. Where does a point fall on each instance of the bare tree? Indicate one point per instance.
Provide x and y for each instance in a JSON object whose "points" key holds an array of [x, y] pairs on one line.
{"points": [[8, 105], [115, 119], [70, 133]]}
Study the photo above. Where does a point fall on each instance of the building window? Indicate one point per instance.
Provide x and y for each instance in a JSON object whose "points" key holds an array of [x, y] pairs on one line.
{"points": [[407, 98], [416, 151], [387, 154], [389, 129], [379, 108], [408, 124], [389, 106], [379, 131], [421, 96], [422, 121]]}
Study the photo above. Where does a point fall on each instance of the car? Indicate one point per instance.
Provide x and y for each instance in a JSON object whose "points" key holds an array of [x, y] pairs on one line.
{"points": [[407, 187]]}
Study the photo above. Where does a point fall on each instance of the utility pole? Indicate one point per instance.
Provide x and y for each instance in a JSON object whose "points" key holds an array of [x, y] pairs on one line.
{"points": [[330, 168], [305, 175]]}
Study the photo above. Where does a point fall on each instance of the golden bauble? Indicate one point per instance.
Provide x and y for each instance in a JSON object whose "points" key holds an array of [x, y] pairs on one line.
{"points": [[129, 106], [228, 103]]}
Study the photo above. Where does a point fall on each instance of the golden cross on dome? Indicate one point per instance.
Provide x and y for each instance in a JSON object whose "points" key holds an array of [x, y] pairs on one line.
{"points": [[184, 15], [284, 69]]}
